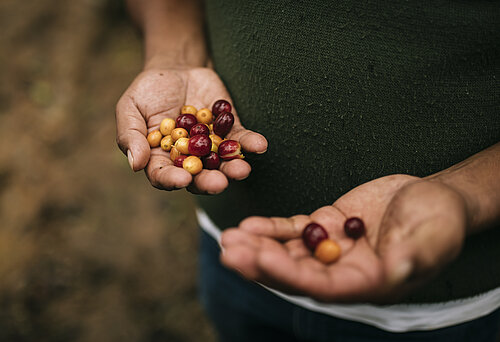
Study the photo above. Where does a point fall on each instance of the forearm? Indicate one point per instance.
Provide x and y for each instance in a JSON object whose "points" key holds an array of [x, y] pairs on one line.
{"points": [[173, 32], [478, 180]]}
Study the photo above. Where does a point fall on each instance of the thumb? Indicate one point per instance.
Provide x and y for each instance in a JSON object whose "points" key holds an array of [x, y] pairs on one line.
{"points": [[418, 253], [131, 133]]}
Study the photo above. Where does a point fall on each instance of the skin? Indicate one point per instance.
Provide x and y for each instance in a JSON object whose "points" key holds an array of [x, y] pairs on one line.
{"points": [[175, 74], [415, 226]]}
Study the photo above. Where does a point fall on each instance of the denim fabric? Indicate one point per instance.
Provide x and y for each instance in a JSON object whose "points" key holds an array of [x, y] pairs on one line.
{"points": [[244, 311]]}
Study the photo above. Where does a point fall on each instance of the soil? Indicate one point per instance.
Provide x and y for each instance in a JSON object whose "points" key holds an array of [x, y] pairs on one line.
{"points": [[89, 251]]}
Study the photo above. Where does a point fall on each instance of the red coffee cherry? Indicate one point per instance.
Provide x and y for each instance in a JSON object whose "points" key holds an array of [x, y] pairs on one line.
{"points": [[179, 160], [354, 227], [223, 124], [199, 145], [186, 121], [313, 234], [211, 161], [230, 149], [199, 128], [221, 106]]}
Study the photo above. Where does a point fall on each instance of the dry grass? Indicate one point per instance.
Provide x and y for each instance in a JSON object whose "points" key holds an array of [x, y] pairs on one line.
{"points": [[88, 250]]}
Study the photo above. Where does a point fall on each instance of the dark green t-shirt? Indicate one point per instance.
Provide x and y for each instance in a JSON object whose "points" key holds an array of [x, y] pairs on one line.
{"points": [[349, 91]]}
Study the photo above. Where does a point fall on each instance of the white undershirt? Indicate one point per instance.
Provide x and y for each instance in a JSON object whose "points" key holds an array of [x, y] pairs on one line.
{"points": [[395, 318]]}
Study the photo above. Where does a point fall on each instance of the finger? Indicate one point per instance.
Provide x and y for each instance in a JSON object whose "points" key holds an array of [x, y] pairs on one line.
{"points": [[241, 259], [277, 269], [162, 173], [240, 251], [342, 281], [333, 221], [131, 133], [236, 169], [204, 90], [297, 249], [250, 141], [208, 182], [277, 227], [236, 237]]}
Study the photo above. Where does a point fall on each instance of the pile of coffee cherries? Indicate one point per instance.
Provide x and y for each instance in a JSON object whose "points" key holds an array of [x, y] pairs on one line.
{"points": [[195, 139], [315, 237]]}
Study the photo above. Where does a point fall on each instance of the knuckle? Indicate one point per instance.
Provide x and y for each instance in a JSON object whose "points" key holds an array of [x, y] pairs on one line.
{"points": [[154, 179], [121, 140], [119, 108]]}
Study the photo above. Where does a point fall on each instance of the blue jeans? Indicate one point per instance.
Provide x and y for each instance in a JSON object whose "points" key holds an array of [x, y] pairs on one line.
{"points": [[242, 311]]}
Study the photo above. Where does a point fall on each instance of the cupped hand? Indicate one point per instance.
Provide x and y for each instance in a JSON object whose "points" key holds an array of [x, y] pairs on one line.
{"points": [[160, 93], [414, 227]]}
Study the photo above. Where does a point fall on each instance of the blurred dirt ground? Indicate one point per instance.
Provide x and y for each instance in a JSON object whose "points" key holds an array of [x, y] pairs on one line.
{"points": [[89, 251]]}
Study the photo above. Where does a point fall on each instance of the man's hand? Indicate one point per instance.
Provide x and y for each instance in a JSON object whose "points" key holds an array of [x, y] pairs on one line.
{"points": [[414, 227], [160, 93]]}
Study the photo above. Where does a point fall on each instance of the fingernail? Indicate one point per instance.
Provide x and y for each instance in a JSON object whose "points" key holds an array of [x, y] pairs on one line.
{"points": [[261, 152], [400, 272], [130, 159]]}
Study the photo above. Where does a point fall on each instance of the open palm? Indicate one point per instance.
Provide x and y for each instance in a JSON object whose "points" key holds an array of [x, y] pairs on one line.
{"points": [[158, 94], [414, 228]]}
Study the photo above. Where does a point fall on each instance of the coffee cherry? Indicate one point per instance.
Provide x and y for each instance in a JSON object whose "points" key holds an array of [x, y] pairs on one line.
{"points": [[188, 110], [199, 145], [154, 138], [174, 153], [192, 164], [313, 234], [216, 140], [179, 160], [220, 106], [166, 143], [230, 149], [204, 115], [211, 161], [178, 133], [199, 128], [354, 227], [166, 126], [186, 121], [182, 145], [223, 124], [327, 251], [214, 148]]}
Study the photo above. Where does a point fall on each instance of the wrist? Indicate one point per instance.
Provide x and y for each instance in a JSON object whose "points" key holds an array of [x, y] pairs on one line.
{"points": [[181, 54], [173, 35]]}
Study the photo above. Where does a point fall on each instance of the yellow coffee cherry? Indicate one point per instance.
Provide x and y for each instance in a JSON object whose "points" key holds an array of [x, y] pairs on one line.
{"points": [[182, 145], [154, 138], [204, 115], [214, 148], [188, 110], [166, 126], [216, 140], [193, 165], [327, 251], [166, 143], [178, 133], [174, 153]]}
